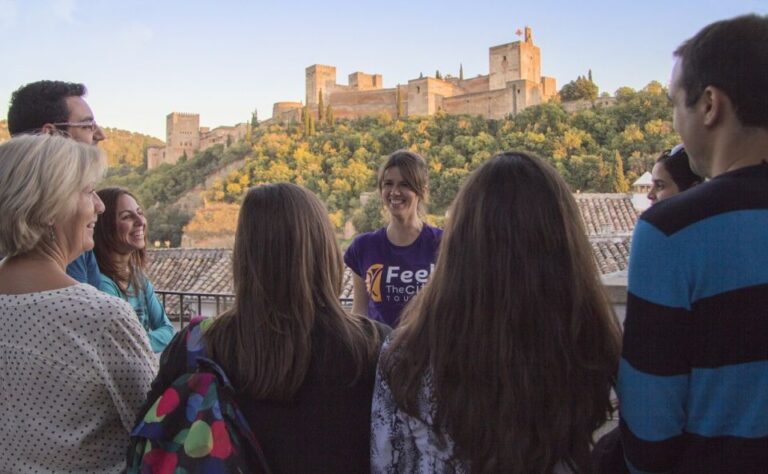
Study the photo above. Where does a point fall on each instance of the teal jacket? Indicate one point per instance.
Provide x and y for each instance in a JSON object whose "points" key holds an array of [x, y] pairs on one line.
{"points": [[149, 310]]}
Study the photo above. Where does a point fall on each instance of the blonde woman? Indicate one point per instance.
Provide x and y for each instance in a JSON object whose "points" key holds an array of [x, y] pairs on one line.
{"points": [[76, 364]]}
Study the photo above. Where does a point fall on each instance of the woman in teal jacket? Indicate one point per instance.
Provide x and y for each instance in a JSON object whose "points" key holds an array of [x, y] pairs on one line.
{"points": [[120, 240]]}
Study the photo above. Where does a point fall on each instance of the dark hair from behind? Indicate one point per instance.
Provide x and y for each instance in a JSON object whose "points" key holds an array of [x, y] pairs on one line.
{"points": [[676, 163], [514, 325], [731, 55], [106, 243], [37, 103], [288, 271], [414, 171]]}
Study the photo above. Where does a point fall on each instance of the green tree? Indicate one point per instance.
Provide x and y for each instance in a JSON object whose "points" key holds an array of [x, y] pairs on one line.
{"points": [[438, 75], [369, 217], [320, 106], [329, 119], [620, 182], [581, 88], [461, 72], [398, 103], [254, 118]]}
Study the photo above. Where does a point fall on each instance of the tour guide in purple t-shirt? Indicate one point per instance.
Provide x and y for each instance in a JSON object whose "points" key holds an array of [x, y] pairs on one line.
{"points": [[391, 264]]}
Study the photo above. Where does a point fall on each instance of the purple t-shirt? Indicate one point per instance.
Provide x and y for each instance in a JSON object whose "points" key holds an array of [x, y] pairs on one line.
{"points": [[392, 274]]}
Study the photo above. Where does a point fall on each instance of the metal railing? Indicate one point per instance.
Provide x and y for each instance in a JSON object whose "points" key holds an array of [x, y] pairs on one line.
{"points": [[182, 306]]}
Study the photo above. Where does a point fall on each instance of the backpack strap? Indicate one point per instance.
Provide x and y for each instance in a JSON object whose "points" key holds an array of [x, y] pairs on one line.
{"points": [[193, 341]]}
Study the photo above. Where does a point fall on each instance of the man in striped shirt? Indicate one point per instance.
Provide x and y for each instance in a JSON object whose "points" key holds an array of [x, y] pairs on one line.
{"points": [[693, 379]]}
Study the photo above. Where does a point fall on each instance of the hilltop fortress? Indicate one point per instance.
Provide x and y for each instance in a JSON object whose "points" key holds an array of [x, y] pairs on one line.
{"points": [[514, 82], [185, 136]]}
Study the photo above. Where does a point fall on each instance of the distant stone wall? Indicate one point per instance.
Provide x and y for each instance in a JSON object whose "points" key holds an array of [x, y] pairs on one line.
{"points": [[356, 104], [491, 104], [425, 96]]}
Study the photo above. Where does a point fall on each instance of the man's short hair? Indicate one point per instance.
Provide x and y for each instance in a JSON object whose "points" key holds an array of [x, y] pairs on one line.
{"points": [[731, 55], [35, 104], [41, 177]]}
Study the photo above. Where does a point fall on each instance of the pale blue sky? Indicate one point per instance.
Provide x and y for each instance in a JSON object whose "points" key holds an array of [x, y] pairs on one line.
{"points": [[142, 59]]}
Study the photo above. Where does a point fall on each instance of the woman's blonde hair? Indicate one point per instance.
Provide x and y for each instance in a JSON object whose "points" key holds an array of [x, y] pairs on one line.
{"points": [[40, 178]]}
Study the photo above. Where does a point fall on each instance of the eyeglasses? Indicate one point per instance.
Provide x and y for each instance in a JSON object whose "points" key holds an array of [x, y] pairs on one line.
{"points": [[87, 124]]}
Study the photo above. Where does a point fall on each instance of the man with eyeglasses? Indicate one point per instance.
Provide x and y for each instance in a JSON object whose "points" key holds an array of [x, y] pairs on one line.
{"points": [[58, 107]]}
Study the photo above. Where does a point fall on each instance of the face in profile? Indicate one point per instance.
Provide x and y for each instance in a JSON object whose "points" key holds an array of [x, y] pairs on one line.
{"points": [[84, 128], [76, 233], [130, 223], [663, 185]]}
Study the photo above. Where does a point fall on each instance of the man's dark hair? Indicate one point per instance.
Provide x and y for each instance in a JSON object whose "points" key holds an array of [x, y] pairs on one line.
{"points": [[35, 104], [731, 55]]}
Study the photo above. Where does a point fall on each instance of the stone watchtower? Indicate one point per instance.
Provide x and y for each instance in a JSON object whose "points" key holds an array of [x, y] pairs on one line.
{"points": [[515, 61], [182, 135], [319, 77]]}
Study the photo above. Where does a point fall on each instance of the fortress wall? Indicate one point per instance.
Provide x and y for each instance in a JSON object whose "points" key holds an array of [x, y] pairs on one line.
{"points": [[363, 82], [283, 112], [222, 134], [490, 104], [155, 157], [548, 88], [474, 85], [425, 95], [356, 104]]}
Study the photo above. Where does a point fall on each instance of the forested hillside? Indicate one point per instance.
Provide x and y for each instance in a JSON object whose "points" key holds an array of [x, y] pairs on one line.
{"points": [[596, 150]]}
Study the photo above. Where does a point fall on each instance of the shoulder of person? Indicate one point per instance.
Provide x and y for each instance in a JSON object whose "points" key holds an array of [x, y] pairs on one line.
{"points": [[375, 235], [435, 232], [107, 306]]}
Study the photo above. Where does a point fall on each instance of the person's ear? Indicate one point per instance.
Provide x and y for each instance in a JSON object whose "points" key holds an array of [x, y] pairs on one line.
{"points": [[48, 128], [714, 104]]}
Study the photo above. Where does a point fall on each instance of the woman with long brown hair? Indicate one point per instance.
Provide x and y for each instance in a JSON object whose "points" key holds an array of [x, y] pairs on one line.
{"points": [[120, 240], [302, 367], [504, 362]]}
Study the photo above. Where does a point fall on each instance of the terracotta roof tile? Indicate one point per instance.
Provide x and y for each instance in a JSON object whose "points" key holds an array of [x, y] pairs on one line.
{"points": [[607, 215], [608, 218]]}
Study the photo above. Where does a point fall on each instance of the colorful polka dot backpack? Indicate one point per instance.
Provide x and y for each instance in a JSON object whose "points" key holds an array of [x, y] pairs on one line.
{"points": [[195, 426]]}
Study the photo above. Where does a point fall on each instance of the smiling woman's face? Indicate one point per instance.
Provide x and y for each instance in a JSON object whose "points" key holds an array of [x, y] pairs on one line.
{"points": [[663, 185], [130, 223]]}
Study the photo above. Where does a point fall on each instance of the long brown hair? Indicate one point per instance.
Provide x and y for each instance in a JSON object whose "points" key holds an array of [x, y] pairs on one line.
{"points": [[514, 325], [106, 243], [288, 272]]}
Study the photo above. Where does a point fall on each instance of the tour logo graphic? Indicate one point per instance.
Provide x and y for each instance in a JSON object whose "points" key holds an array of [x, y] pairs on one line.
{"points": [[373, 281]]}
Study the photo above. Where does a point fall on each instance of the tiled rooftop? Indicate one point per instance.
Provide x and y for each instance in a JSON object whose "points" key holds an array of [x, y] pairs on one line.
{"points": [[611, 254], [609, 220], [607, 215], [193, 270]]}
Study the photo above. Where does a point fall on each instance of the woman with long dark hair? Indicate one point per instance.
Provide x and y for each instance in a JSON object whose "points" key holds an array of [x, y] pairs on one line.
{"points": [[302, 367], [121, 247], [504, 362]]}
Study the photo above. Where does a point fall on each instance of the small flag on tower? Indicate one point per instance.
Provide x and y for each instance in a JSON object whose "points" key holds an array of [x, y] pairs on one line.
{"points": [[519, 32]]}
